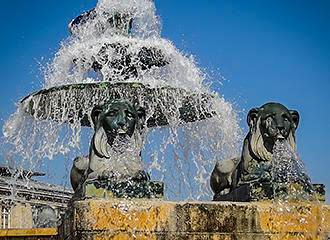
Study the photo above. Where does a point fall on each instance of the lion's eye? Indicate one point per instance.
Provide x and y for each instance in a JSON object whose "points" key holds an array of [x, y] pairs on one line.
{"points": [[285, 118], [269, 119], [129, 114], [112, 113]]}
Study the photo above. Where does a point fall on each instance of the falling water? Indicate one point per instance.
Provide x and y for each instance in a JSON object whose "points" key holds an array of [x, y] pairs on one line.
{"points": [[295, 203], [289, 173], [180, 154]]}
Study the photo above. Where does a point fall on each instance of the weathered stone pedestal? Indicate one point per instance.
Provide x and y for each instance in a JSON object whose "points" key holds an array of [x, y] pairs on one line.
{"points": [[127, 189], [156, 219], [262, 191]]}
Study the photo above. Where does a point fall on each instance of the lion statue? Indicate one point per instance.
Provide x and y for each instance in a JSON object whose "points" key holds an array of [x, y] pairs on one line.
{"points": [[115, 146], [267, 124]]}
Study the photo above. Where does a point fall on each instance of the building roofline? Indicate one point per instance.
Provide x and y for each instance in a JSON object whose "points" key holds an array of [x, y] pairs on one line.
{"points": [[20, 172]]}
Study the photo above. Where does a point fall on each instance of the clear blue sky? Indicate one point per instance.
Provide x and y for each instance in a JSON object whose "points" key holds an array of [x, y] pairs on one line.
{"points": [[266, 50]]}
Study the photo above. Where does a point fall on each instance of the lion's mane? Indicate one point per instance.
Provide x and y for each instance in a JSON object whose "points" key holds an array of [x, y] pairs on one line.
{"points": [[257, 145]]}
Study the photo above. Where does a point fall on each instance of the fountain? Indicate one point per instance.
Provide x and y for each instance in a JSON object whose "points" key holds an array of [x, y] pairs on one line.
{"points": [[157, 132], [115, 52]]}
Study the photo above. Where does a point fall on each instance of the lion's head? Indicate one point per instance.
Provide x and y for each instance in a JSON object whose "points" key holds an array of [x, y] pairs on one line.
{"points": [[269, 123], [115, 146], [116, 122]]}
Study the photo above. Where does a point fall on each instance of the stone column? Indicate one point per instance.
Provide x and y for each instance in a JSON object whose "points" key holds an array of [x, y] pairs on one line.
{"points": [[21, 216]]}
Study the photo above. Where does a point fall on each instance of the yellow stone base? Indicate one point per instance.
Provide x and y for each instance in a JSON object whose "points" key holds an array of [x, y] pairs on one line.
{"points": [[29, 234], [156, 219]]}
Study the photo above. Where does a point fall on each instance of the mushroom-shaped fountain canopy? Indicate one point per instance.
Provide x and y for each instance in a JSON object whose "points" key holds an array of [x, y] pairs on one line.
{"points": [[73, 103]]}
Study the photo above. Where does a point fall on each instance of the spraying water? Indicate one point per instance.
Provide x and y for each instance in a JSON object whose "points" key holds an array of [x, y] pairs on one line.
{"points": [[127, 48], [289, 172], [291, 184]]}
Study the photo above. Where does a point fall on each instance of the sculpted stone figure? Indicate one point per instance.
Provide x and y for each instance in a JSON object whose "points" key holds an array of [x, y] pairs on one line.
{"points": [[267, 124], [115, 60], [115, 146], [119, 23], [125, 64], [77, 174]]}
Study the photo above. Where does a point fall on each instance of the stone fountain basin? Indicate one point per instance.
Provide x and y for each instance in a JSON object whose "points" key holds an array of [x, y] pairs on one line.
{"points": [[73, 103]]}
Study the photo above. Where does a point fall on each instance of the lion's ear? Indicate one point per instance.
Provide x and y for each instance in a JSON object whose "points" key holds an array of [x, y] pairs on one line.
{"points": [[252, 117], [95, 114], [141, 112], [295, 118]]}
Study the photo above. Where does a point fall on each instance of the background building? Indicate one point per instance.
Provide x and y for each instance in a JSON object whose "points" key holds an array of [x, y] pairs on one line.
{"points": [[27, 203]]}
